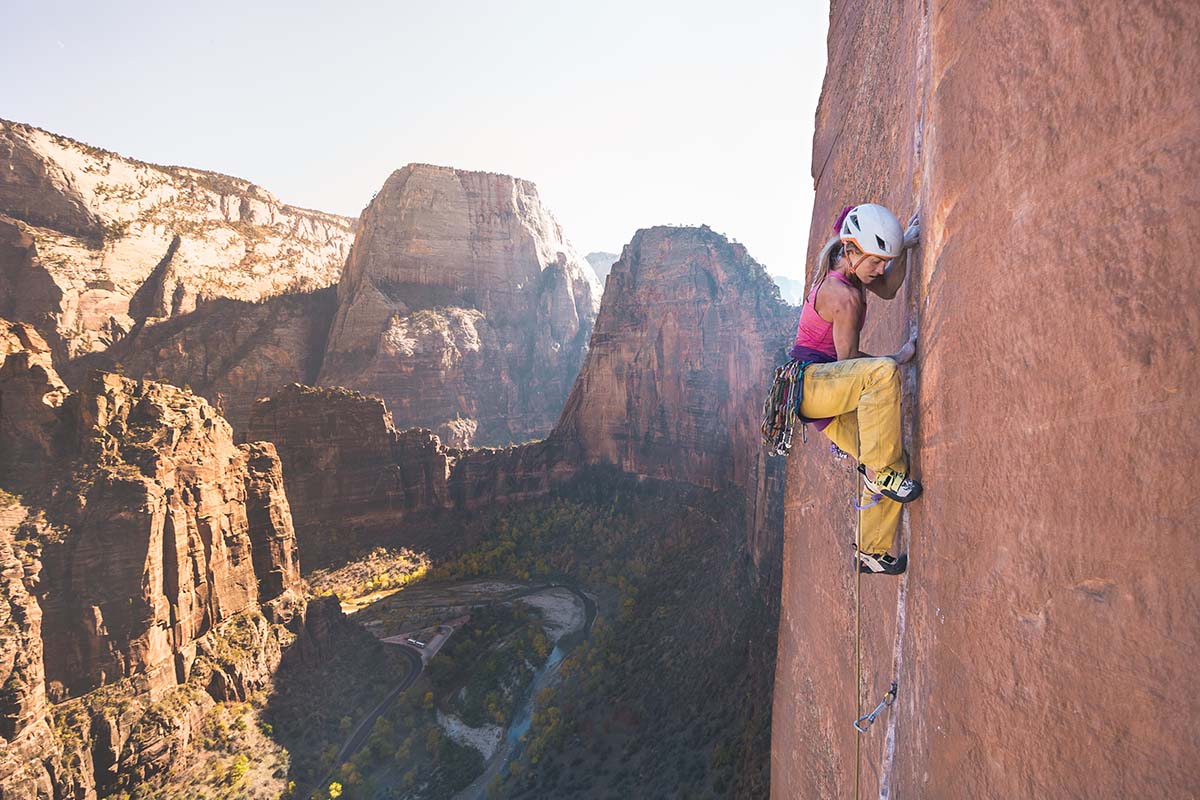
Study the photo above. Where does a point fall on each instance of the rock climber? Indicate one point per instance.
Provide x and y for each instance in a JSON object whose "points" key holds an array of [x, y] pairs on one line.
{"points": [[852, 396]]}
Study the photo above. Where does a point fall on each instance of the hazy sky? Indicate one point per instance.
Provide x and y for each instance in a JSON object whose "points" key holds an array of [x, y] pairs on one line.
{"points": [[625, 114]]}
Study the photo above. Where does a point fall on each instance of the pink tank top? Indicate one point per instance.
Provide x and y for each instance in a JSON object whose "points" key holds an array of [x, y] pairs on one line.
{"points": [[814, 332]]}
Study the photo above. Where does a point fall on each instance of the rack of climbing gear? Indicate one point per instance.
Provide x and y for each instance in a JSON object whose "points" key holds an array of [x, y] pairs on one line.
{"points": [[867, 720], [781, 409]]}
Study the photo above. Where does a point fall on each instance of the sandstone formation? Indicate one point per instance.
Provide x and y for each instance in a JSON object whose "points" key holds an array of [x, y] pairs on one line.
{"points": [[1044, 638], [139, 548], [348, 468], [681, 356], [688, 335], [161, 545], [230, 352], [92, 243], [27, 740], [462, 306]]}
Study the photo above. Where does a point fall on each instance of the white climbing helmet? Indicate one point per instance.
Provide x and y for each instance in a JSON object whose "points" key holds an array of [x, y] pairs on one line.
{"points": [[874, 230]]}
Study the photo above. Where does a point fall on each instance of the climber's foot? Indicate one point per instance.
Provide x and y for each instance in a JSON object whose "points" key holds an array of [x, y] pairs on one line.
{"points": [[891, 484], [881, 563]]}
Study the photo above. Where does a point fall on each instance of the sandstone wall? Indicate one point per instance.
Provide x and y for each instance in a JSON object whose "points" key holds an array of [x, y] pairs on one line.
{"points": [[689, 332], [136, 541], [348, 470], [1044, 636], [161, 546], [92, 242], [463, 306], [230, 352]]}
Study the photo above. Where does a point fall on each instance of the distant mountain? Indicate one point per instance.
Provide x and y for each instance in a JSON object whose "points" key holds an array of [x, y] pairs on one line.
{"points": [[602, 263], [791, 289]]}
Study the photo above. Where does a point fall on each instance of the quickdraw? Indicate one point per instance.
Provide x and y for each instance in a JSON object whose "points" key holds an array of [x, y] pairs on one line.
{"points": [[887, 700]]}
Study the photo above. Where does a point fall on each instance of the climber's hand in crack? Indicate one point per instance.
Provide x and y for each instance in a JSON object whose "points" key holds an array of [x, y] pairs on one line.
{"points": [[905, 354], [912, 234]]}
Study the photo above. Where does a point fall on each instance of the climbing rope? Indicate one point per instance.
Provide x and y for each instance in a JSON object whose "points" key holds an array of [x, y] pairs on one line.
{"points": [[862, 721], [857, 634]]}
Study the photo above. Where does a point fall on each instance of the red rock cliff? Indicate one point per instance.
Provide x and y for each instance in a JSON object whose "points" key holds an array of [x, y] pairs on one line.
{"points": [[1044, 638], [347, 467], [689, 332], [463, 306], [138, 534]]}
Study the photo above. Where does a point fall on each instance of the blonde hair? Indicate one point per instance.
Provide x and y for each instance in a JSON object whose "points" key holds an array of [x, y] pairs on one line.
{"points": [[826, 260]]}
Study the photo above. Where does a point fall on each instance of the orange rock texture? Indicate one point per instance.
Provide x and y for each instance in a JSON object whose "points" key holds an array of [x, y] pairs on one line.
{"points": [[1044, 637]]}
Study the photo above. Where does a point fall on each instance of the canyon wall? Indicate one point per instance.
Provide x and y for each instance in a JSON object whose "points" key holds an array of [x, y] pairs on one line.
{"points": [[93, 243], [231, 352], [1044, 636], [689, 333], [671, 388], [135, 540], [347, 467], [463, 306]]}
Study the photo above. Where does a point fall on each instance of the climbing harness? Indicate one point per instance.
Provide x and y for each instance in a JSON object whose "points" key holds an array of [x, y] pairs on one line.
{"points": [[781, 409], [887, 700]]}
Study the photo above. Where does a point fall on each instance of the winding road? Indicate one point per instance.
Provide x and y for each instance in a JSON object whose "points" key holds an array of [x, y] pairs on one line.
{"points": [[362, 730]]}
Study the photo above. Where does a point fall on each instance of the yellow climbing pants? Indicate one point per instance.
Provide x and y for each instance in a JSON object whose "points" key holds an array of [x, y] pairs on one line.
{"points": [[862, 395]]}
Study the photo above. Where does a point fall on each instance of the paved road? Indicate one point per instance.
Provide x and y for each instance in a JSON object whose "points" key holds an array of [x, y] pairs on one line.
{"points": [[360, 733]]}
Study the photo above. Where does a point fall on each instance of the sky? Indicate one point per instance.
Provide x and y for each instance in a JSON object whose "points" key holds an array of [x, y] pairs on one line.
{"points": [[625, 114]]}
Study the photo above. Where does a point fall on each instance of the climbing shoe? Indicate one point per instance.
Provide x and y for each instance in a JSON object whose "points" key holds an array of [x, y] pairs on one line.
{"points": [[891, 484], [881, 564]]}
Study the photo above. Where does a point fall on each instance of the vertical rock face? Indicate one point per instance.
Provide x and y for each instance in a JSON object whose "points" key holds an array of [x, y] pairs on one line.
{"points": [[92, 243], [688, 334], [345, 462], [169, 523], [26, 738], [347, 468], [144, 542], [1047, 636], [462, 306]]}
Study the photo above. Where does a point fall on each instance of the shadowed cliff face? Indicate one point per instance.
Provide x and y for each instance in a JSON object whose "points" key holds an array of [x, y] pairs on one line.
{"points": [[681, 357], [140, 534], [230, 352], [1044, 646], [462, 306], [92, 243], [347, 468]]}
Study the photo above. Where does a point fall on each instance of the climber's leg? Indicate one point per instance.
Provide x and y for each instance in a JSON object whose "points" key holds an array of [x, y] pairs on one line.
{"points": [[880, 520], [869, 387]]}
